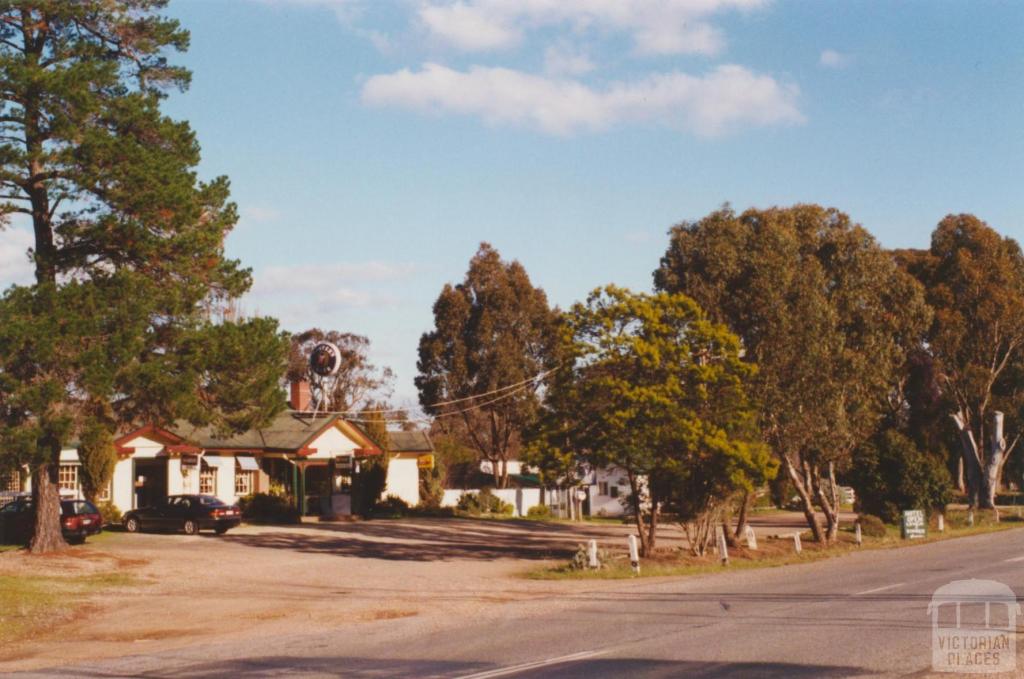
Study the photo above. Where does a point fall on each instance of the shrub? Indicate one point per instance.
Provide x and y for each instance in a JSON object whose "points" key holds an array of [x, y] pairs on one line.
{"points": [[391, 507], [891, 474], [484, 502], [431, 511], [871, 526], [267, 508], [109, 513], [581, 559], [539, 512]]}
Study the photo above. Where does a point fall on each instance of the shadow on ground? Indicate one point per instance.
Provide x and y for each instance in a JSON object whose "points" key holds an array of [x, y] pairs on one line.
{"points": [[432, 540], [593, 667]]}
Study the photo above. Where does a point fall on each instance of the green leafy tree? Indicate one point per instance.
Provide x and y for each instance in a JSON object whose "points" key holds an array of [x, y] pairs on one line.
{"points": [[654, 388], [128, 253], [890, 474], [357, 383], [974, 279], [824, 312], [98, 457], [491, 332]]}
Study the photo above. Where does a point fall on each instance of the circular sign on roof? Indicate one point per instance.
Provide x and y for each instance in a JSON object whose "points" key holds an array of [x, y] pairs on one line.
{"points": [[325, 359]]}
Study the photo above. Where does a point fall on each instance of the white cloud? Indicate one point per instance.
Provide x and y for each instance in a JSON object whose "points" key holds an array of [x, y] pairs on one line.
{"points": [[468, 28], [564, 60], [834, 59], [656, 26], [294, 278], [344, 10], [15, 266], [258, 214], [727, 98]]}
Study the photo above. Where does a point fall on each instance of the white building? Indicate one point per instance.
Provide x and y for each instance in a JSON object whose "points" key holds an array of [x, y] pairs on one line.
{"points": [[311, 458]]}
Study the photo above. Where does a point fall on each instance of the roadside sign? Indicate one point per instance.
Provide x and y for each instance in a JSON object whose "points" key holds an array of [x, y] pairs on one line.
{"points": [[425, 461], [343, 464], [913, 524]]}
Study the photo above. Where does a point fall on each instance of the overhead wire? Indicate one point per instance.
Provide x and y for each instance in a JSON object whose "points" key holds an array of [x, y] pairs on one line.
{"points": [[512, 389]]}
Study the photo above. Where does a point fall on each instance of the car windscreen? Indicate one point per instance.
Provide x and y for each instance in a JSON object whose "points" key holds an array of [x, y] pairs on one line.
{"points": [[78, 507], [210, 501]]}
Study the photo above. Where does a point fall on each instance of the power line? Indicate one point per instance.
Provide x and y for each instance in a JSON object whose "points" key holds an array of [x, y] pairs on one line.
{"points": [[517, 385], [516, 388]]}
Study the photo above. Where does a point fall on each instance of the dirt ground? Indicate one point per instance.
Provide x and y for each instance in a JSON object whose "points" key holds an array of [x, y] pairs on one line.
{"points": [[261, 580]]}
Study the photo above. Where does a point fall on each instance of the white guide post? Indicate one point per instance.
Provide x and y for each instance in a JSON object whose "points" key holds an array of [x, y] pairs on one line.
{"points": [[592, 555], [942, 523], [634, 555], [723, 547], [857, 535], [796, 543], [751, 539]]}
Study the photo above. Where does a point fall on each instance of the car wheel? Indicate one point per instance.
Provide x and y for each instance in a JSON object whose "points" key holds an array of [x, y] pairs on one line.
{"points": [[191, 527], [131, 524]]}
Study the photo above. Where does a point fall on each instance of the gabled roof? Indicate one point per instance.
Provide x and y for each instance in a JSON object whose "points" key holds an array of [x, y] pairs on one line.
{"points": [[289, 431], [410, 442]]}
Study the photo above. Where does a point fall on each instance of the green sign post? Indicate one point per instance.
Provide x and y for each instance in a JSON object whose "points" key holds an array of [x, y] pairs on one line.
{"points": [[913, 524]]}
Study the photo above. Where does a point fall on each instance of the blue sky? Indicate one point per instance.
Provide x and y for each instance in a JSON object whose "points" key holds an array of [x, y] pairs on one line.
{"points": [[372, 145]]}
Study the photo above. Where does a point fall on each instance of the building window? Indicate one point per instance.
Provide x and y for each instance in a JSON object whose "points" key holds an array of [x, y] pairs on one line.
{"points": [[207, 480], [68, 477], [245, 482], [10, 481], [614, 491], [104, 495], [602, 488]]}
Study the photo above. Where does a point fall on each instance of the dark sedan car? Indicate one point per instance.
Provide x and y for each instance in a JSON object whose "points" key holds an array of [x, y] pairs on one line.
{"points": [[78, 520], [190, 513]]}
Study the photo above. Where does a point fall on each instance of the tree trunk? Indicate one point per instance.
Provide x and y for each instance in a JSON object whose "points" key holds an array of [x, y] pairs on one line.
{"points": [[47, 536], [805, 499], [829, 504], [971, 459], [994, 463], [653, 525], [638, 517], [741, 520], [960, 486]]}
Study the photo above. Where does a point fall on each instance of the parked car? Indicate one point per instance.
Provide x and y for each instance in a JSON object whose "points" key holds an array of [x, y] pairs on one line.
{"points": [[78, 520], [190, 513]]}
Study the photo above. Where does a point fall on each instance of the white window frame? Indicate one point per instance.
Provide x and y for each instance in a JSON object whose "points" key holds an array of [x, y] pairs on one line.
{"points": [[207, 473], [245, 482], [602, 487], [11, 481], [63, 474]]}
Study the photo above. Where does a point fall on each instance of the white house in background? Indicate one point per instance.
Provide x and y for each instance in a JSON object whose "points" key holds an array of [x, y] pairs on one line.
{"points": [[607, 491], [310, 457]]}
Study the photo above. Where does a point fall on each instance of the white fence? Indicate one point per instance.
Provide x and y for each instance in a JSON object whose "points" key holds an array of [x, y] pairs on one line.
{"points": [[521, 499]]}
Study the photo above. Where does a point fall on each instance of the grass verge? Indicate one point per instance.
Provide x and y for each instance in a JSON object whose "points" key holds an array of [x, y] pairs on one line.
{"points": [[30, 603], [775, 552]]}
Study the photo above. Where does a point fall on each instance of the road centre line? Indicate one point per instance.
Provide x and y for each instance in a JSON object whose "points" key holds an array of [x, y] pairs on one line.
{"points": [[513, 669], [879, 589]]}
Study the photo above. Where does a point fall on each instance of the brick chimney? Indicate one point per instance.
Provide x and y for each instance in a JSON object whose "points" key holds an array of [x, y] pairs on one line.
{"points": [[301, 397]]}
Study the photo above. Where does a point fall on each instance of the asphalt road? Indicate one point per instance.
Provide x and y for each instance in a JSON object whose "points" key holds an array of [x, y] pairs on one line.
{"points": [[860, 615]]}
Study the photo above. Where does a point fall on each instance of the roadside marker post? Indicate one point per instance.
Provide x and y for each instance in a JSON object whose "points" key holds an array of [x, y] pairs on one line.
{"points": [[592, 555], [796, 543], [970, 518], [634, 555], [942, 524], [751, 539], [857, 535], [723, 547]]}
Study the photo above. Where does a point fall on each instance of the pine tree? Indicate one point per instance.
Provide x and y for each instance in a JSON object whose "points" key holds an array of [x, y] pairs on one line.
{"points": [[129, 245]]}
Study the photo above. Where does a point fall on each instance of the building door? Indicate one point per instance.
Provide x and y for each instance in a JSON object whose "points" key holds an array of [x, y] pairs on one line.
{"points": [[150, 481]]}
